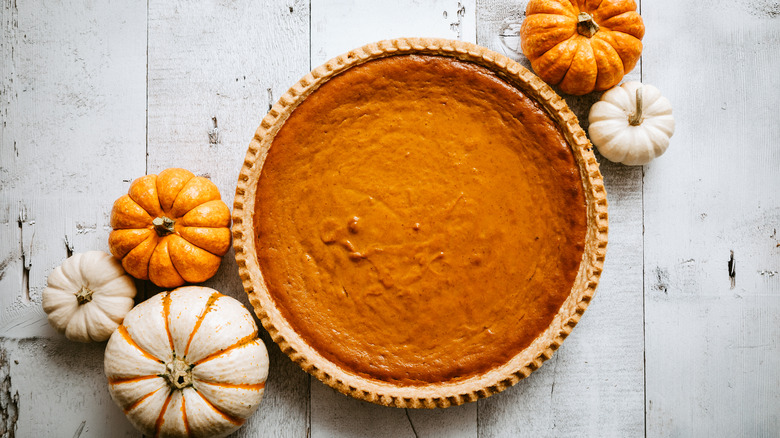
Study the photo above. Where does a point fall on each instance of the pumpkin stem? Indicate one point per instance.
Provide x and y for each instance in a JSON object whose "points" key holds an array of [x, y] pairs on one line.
{"points": [[163, 225], [178, 374], [585, 25], [635, 118], [84, 295]]}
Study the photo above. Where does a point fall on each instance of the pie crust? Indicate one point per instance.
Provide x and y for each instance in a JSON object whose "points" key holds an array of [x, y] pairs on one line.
{"points": [[433, 395]]}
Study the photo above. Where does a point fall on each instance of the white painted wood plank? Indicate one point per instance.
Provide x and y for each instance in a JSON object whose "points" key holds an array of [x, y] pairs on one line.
{"points": [[227, 61], [73, 111], [337, 27], [593, 386], [338, 415], [713, 346], [66, 69], [55, 387]]}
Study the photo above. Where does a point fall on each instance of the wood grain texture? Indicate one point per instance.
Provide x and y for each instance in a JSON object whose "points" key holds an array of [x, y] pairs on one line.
{"points": [[713, 344], [214, 70], [61, 389], [73, 106], [66, 69], [594, 385], [338, 26]]}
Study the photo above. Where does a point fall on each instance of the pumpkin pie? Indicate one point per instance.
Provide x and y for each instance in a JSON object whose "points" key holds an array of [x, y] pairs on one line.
{"points": [[420, 222]]}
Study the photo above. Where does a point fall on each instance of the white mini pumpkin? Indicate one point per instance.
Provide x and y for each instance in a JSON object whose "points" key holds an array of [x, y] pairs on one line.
{"points": [[631, 124], [187, 363], [88, 296]]}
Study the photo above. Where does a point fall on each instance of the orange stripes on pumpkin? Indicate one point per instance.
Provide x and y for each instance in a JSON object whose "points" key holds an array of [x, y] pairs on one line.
{"points": [[140, 400], [250, 386], [131, 379], [240, 343], [167, 317], [160, 418], [126, 336], [234, 420], [209, 304], [184, 416]]}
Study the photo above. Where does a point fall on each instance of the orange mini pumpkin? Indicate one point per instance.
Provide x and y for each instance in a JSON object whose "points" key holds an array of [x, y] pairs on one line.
{"points": [[582, 45], [170, 228]]}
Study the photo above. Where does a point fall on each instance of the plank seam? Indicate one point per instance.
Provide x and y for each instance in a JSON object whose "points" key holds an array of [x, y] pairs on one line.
{"points": [[644, 312], [146, 127]]}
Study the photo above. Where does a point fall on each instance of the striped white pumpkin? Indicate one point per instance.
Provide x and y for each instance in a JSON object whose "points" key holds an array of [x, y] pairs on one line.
{"points": [[187, 363]]}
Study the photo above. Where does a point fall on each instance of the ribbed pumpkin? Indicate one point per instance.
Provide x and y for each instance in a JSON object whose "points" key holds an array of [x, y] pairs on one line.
{"points": [[88, 296], [582, 45], [187, 363], [631, 124], [170, 228]]}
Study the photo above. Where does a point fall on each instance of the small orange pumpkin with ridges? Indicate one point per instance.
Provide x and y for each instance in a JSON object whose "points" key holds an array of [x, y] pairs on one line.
{"points": [[582, 45], [170, 228]]}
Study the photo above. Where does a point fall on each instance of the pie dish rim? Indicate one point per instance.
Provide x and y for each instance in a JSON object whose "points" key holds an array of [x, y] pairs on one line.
{"points": [[439, 394]]}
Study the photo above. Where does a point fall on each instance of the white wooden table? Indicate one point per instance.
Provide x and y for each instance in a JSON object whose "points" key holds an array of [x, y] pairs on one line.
{"points": [[682, 339]]}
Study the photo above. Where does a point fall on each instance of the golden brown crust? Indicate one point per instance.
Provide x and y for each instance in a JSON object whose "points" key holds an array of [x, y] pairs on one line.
{"points": [[440, 394]]}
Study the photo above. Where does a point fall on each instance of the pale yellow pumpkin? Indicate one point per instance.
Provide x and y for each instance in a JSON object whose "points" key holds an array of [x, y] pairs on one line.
{"points": [[631, 124], [88, 296]]}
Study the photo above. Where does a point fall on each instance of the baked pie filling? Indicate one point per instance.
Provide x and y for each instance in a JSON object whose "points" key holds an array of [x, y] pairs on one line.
{"points": [[418, 219]]}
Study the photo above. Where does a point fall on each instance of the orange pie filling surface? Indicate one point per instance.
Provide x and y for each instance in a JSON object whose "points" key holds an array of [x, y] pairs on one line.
{"points": [[419, 220]]}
